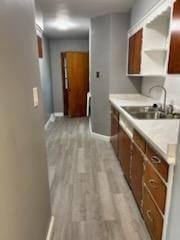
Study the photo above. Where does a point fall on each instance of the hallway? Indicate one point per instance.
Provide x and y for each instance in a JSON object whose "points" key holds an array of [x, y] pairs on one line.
{"points": [[90, 198]]}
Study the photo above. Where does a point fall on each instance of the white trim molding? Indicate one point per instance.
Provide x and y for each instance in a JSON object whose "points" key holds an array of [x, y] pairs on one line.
{"points": [[50, 120], [51, 229], [59, 114], [97, 135]]}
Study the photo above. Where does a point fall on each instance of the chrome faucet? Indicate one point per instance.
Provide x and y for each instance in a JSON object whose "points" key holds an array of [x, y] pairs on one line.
{"points": [[165, 95]]}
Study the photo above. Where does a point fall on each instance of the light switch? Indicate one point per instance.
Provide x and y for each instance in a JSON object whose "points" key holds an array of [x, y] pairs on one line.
{"points": [[97, 74], [35, 97]]}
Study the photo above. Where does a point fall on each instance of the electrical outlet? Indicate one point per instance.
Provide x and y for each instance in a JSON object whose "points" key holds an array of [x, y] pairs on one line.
{"points": [[35, 97]]}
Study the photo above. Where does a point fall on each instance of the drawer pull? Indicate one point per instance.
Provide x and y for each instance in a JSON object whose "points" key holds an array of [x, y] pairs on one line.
{"points": [[155, 160], [148, 213], [153, 183]]}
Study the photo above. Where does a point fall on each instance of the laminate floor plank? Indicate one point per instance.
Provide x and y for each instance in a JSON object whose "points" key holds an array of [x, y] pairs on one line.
{"points": [[89, 196]]}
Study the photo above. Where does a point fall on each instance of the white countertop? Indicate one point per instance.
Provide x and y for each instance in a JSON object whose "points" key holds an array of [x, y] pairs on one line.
{"points": [[161, 134]]}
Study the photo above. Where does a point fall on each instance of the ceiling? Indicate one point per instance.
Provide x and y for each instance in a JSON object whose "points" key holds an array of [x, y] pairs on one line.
{"points": [[71, 18]]}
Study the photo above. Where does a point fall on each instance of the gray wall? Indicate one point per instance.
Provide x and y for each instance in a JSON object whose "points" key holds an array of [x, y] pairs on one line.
{"points": [[108, 55], [24, 203], [56, 47], [46, 82], [140, 8], [100, 59], [119, 82]]}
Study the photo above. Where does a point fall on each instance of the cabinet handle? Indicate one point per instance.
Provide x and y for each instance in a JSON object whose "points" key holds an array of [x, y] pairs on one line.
{"points": [[155, 160], [148, 213], [153, 183]]}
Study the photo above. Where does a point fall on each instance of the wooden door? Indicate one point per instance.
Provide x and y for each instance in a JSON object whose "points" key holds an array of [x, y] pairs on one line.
{"points": [[174, 56], [78, 83], [125, 153], [137, 169], [135, 52]]}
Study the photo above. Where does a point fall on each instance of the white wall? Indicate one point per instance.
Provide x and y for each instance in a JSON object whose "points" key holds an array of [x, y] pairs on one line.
{"points": [[171, 83], [140, 8], [24, 192], [56, 48]]}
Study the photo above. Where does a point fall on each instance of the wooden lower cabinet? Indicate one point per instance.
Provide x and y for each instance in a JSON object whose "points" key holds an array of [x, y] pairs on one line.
{"points": [[137, 170], [152, 217], [115, 130], [125, 153], [155, 186], [158, 162], [146, 172]]}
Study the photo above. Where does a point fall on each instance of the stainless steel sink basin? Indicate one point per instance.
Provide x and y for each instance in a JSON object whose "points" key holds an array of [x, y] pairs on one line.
{"points": [[149, 113], [136, 109]]}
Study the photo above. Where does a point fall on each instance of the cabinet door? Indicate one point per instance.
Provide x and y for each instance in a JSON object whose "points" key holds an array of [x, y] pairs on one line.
{"points": [[135, 48], [125, 153], [137, 169], [130, 58], [152, 217], [137, 52], [114, 131], [174, 57]]}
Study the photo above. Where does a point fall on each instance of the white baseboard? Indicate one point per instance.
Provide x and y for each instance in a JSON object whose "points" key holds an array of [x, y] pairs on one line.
{"points": [[96, 135], [51, 119], [51, 229], [58, 114]]}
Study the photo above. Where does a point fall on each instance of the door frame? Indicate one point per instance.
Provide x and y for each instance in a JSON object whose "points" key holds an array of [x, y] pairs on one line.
{"points": [[65, 91]]}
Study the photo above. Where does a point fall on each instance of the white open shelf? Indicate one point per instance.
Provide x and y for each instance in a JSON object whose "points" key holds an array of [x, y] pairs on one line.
{"points": [[155, 45], [160, 49]]}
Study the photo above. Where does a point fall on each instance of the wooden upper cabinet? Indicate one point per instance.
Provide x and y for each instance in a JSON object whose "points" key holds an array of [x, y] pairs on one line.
{"points": [[174, 57], [130, 57], [135, 52]]}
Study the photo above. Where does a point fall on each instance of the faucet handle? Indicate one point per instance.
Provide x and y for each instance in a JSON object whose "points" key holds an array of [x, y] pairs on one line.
{"points": [[157, 106], [170, 109]]}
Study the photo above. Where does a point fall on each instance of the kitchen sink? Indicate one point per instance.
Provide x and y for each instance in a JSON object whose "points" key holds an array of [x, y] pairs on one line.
{"points": [[149, 113]]}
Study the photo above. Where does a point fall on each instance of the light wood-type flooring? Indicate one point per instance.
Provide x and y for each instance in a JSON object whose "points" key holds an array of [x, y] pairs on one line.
{"points": [[89, 195]]}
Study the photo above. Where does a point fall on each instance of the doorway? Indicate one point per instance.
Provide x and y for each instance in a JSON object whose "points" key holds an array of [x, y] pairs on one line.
{"points": [[75, 81]]}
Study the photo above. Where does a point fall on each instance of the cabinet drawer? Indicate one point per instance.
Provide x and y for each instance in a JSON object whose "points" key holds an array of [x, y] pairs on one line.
{"points": [[152, 217], [139, 140], [155, 186], [158, 162]]}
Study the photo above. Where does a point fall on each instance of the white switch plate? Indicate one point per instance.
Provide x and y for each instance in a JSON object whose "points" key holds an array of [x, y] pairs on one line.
{"points": [[35, 97]]}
